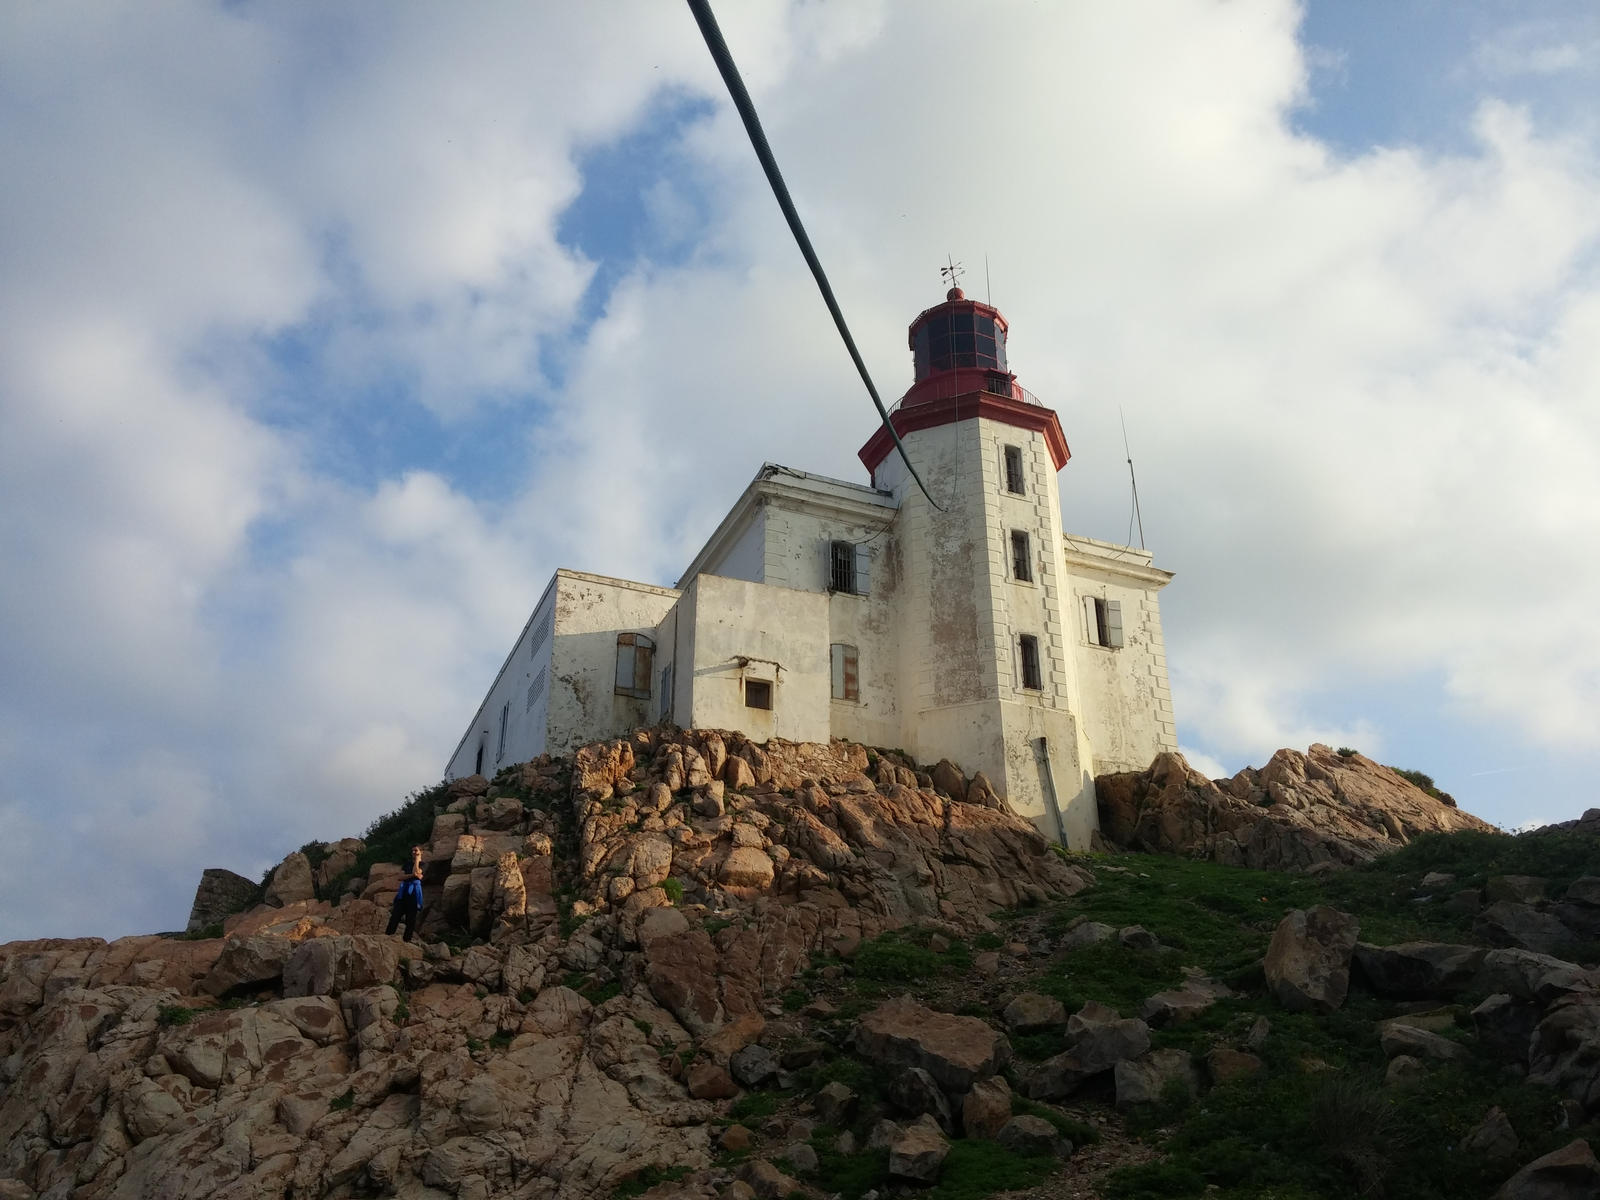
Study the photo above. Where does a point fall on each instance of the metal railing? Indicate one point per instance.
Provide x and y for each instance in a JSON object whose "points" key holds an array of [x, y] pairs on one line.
{"points": [[1009, 389]]}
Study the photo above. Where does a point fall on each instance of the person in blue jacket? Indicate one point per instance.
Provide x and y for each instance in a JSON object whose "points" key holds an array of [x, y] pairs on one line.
{"points": [[408, 899]]}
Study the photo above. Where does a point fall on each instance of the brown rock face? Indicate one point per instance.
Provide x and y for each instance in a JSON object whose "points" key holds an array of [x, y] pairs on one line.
{"points": [[1308, 959], [291, 881], [956, 1051], [375, 1066], [1297, 812]]}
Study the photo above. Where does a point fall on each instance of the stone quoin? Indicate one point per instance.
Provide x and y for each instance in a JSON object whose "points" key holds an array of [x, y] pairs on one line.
{"points": [[977, 631]]}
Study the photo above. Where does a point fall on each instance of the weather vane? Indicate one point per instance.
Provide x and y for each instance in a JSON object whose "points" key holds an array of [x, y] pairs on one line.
{"points": [[952, 273]]}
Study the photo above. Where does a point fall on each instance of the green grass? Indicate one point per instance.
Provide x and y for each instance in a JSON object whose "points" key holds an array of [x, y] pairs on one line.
{"points": [[673, 887], [903, 955], [643, 1180], [753, 1106], [1076, 1132], [342, 1102], [975, 1169], [169, 1015]]}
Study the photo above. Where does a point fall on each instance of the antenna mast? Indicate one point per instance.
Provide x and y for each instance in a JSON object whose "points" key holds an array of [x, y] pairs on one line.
{"points": [[952, 273], [1137, 515]]}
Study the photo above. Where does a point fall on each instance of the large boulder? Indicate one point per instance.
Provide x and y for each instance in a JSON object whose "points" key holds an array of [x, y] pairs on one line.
{"points": [[956, 1051], [1418, 970], [220, 894], [1570, 1173], [918, 1152], [1031, 1012], [291, 881], [1509, 923], [1145, 1080], [1308, 959], [1565, 1050], [253, 961], [986, 1108], [331, 965], [1097, 1049]]}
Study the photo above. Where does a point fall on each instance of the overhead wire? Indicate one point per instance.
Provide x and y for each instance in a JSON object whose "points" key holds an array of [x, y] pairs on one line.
{"points": [[712, 34]]}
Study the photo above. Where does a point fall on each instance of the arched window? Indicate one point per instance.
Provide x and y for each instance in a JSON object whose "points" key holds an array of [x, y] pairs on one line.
{"points": [[635, 657]]}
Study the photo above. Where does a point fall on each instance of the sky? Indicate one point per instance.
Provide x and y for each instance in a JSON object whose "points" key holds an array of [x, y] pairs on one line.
{"points": [[327, 332]]}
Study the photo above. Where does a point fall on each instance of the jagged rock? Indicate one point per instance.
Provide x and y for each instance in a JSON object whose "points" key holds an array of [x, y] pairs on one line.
{"points": [[748, 867], [707, 1081], [1509, 923], [1434, 880], [1031, 1137], [1137, 937], [1308, 959], [1297, 812], [1098, 1049], [1505, 1026], [1089, 933], [1403, 1071], [801, 1157], [1176, 1005], [1493, 1137], [1528, 975], [986, 1108], [1565, 1050], [255, 961], [1145, 1080], [467, 786], [981, 792], [914, 1092], [1399, 1038], [1031, 1012], [767, 1181], [834, 1104], [1418, 970], [1090, 1015], [291, 881], [1570, 1173], [956, 1051], [220, 894], [918, 1152], [755, 1066], [328, 966], [948, 779]]}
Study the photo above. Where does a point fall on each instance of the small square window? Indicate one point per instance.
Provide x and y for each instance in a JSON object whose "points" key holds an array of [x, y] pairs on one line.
{"points": [[1031, 679], [758, 693], [1021, 566]]}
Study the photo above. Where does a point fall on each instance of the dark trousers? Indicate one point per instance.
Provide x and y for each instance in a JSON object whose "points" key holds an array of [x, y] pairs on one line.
{"points": [[405, 908]]}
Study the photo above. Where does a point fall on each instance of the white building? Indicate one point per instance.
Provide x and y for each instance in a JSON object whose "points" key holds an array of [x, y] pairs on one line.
{"points": [[818, 608]]}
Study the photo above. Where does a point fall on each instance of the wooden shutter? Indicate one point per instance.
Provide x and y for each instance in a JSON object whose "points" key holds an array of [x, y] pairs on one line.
{"points": [[1113, 622], [1091, 622], [863, 570]]}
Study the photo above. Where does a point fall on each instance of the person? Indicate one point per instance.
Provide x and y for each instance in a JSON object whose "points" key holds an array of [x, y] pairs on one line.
{"points": [[407, 905]]}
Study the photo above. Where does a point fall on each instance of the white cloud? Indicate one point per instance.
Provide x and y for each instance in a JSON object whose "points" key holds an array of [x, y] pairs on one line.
{"points": [[1360, 390]]}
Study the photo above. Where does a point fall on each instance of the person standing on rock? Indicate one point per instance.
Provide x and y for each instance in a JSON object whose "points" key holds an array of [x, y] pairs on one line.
{"points": [[408, 899]]}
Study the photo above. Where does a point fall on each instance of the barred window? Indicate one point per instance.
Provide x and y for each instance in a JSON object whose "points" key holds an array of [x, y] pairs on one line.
{"points": [[1031, 679]]}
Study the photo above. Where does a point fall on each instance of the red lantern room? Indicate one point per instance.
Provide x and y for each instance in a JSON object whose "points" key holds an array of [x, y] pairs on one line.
{"points": [[958, 355]]}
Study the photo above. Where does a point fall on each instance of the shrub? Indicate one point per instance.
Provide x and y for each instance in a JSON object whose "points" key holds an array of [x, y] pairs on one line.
{"points": [[1346, 752], [169, 1015], [673, 887], [341, 1103]]}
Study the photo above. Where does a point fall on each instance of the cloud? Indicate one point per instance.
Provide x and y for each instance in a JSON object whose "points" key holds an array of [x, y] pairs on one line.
{"points": [[303, 394]]}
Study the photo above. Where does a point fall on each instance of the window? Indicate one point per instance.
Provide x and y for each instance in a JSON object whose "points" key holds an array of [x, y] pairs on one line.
{"points": [[1031, 679], [846, 675], [849, 566], [1014, 470], [1103, 621], [758, 693], [635, 656], [1021, 566], [505, 719]]}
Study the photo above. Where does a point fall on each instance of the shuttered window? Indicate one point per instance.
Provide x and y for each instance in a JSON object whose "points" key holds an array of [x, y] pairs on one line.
{"points": [[1102, 621], [1021, 564], [635, 658], [505, 719], [846, 674]]}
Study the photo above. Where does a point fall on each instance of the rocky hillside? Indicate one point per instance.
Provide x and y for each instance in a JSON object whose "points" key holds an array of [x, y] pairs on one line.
{"points": [[1300, 812], [683, 965]]}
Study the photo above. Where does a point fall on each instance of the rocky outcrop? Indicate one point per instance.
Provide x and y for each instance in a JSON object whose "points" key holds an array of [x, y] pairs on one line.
{"points": [[1298, 812], [221, 894], [680, 879]]}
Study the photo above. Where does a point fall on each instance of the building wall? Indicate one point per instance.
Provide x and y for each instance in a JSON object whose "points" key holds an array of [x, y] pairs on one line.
{"points": [[590, 611], [745, 557], [1127, 703], [735, 630], [523, 683]]}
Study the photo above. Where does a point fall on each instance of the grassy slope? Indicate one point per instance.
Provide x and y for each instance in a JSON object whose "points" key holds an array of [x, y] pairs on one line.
{"points": [[1319, 1122]]}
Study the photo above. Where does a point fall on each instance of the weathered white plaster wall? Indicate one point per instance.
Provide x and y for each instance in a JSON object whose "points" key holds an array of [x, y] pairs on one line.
{"points": [[1127, 703], [526, 667], [746, 555], [781, 635], [590, 611]]}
